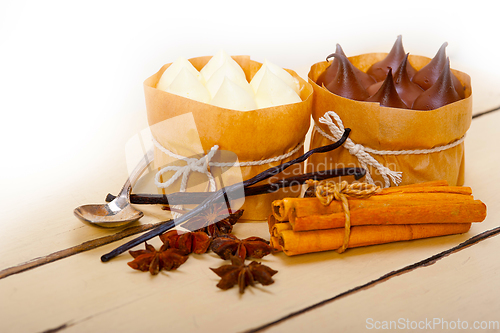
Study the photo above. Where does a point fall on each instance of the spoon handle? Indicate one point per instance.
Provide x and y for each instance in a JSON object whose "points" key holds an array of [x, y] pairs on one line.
{"points": [[136, 173]]}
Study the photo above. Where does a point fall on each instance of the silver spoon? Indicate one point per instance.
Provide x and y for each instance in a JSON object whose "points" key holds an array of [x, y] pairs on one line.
{"points": [[119, 211]]}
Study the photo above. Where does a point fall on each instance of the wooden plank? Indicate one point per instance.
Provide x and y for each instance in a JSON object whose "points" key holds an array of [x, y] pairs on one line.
{"points": [[84, 294], [456, 292], [59, 95], [37, 210], [86, 246], [92, 296]]}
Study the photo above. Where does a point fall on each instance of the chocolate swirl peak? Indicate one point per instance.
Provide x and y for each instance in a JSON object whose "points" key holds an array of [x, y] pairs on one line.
{"points": [[380, 69], [331, 71], [345, 83], [441, 93], [428, 75], [387, 95], [407, 90]]}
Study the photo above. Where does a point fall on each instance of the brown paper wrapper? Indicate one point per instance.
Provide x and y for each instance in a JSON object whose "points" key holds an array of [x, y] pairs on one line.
{"points": [[251, 135], [384, 128]]}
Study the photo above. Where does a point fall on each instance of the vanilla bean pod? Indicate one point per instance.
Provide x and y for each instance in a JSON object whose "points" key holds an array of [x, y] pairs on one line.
{"points": [[220, 196], [198, 197]]}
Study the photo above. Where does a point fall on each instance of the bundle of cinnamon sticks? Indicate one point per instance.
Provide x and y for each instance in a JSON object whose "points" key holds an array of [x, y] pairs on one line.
{"points": [[305, 225]]}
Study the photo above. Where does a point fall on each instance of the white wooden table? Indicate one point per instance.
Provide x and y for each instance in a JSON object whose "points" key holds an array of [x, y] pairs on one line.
{"points": [[71, 97], [352, 292]]}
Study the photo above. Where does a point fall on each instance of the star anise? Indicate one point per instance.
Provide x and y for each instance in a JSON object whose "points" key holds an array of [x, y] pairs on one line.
{"points": [[189, 242], [229, 245], [243, 275], [216, 220], [154, 261]]}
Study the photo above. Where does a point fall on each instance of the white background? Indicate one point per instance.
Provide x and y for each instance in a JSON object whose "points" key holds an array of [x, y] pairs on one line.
{"points": [[70, 68]]}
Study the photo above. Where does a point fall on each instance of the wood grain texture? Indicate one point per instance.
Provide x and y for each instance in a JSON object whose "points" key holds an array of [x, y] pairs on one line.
{"points": [[86, 246], [92, 296], [456, 287], [326, 305], [79, 293]]}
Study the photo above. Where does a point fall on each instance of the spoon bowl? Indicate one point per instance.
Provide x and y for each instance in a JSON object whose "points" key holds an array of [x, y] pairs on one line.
{"points": [[118, 212], [102, 216]]}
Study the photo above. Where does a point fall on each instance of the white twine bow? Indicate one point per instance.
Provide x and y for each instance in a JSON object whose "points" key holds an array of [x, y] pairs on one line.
{"points": [[357, 150], [203, 164], [200, 165]]}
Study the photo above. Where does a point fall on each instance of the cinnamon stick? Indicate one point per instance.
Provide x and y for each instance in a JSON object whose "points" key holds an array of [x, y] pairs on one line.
{"points": [[304, 225], [283, 209], [393, 214], [294, 243], [431, 183], [274, 230], [427, 189]]}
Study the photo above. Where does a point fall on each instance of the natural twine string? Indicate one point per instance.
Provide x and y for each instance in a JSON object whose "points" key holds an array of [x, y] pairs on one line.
{"points": [[362, 153], [327, 191], [202, 165]]}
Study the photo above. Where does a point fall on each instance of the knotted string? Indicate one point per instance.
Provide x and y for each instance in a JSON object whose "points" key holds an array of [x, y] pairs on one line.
{"points": [[202, 165], [363, 153], [357, 150], [327, 191]]}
